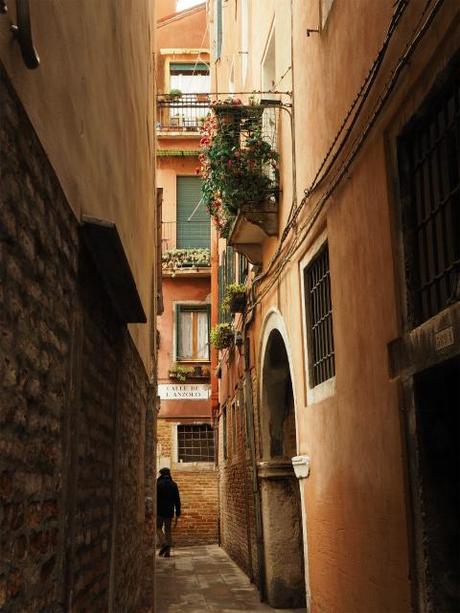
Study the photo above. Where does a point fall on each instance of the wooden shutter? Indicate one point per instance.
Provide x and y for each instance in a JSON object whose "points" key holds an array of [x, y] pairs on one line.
{"points": [[193, 223]]}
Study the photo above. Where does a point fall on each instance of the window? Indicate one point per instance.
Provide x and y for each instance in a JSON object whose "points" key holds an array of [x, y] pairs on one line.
{"points": [[193, 221], [218, 29], [244, 20], [224, 432], [226, 277], [192, 332], [318, 307], [429, 159], [195, 443], [234, 429]]}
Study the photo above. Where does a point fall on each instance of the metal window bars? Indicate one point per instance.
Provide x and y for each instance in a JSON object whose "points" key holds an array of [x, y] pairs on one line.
{"points": [[195, 443], [429, 157], [319, 317]]}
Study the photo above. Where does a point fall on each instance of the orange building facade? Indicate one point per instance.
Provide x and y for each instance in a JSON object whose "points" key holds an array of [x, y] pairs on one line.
{"points": [[337, 396], [185, 437]]}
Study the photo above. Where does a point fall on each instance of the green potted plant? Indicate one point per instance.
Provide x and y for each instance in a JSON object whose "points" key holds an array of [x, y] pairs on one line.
{"points": [[222, 336], [181, 373], [174, 94], [234, 298]]}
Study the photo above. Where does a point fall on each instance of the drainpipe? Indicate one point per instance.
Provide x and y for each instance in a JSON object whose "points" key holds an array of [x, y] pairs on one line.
{"points": [[252, 449], [214, 358], [246, 491]]}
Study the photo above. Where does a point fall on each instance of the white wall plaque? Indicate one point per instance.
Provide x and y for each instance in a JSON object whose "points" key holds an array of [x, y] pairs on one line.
{"points": [[179, 391]]}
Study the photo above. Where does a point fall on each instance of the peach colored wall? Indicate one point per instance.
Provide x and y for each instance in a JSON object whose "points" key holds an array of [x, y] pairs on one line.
{"points": [[91, 104], [169, 25], [168, 169], [176, 289], [355, 501]]}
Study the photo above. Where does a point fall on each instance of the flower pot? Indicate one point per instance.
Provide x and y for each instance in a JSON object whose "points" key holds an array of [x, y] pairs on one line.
{"points": [[197, 371], [225, 341], [238, 302]]}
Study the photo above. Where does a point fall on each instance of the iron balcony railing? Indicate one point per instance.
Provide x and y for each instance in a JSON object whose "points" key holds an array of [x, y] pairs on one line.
{"points": [[185, 113]]}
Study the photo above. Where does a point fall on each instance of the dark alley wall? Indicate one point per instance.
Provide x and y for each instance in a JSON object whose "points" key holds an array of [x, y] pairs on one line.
{"points": [[74, 398]]}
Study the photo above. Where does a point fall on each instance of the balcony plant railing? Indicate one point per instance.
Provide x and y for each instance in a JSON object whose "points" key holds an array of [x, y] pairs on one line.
{"points": [[182, 373], [238, 161], [174, 259], [178, 112]]}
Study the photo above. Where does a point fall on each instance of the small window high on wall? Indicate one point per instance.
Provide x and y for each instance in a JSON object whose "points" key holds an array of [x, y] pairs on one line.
{"points": [[192, 325], [195, 443]]}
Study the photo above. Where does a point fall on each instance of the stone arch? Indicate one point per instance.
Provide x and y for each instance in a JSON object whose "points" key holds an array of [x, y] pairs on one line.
{"points": [[280, 493]]}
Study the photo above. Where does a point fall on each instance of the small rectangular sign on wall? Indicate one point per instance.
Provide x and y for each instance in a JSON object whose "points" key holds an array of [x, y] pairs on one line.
{"points": [[177, 391]]}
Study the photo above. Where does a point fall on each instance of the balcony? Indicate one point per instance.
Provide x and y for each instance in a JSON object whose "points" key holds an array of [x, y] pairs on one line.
{"points": [[182, 262], [181, 115], [240, 171]]}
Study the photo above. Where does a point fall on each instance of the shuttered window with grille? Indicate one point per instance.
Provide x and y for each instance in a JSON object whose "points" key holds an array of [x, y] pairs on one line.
{"points": [[193, 221]]}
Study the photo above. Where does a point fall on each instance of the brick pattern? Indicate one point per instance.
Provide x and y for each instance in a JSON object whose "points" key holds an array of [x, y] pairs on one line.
{"points": [[198, 522], [38, 266], [198, 492], [237, 512], [73, 399]]}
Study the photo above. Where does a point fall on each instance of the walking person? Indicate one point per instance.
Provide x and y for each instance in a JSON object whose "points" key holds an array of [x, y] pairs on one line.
{"points": [[168, 501]]}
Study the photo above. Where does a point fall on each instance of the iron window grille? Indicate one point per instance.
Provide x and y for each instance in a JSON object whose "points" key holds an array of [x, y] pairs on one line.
{"points": [[429, 164], [317, 287], [195, 443]]}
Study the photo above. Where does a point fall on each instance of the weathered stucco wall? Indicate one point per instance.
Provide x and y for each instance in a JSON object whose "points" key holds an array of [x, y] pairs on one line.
{"points": [[355, 500], [91, 104]]}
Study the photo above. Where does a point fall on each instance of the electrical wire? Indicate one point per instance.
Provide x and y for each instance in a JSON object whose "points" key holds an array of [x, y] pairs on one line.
{"points": [[357, 144]]}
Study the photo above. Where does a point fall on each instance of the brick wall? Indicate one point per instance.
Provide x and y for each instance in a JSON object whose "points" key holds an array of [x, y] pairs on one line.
{"points": [[198, 491], [237, 512], [73, 399]]}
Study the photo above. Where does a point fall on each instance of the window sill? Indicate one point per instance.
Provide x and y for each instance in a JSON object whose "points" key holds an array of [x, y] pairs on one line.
{"points": [[321, 392]]}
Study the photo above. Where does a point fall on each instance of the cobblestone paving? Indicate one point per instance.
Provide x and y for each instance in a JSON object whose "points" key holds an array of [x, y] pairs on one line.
{"points": [[197, 579]]}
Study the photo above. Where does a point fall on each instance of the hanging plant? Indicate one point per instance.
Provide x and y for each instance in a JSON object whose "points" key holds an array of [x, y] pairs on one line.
{"points": [[222, 336], [238, 166], [234, 298]]}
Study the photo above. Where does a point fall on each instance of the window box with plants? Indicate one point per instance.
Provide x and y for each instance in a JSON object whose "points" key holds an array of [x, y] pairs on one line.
{"points": [[180, 373], [222, 336], [174, 259], [234, 298], [238, 164]]}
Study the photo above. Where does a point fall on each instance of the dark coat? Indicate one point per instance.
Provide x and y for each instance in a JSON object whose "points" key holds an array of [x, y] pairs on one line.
{"points": [[167, 497]]}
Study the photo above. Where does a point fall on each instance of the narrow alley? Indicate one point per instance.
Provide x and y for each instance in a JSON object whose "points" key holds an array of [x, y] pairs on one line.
{"points": [[229, 306], [204, 578]]}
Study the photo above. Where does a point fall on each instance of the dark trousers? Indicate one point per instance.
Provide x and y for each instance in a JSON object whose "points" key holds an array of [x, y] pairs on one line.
{"points": [[164, 536]]}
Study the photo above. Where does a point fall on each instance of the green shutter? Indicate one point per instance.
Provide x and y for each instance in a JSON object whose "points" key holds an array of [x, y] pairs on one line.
{"points": [[193, 223]]}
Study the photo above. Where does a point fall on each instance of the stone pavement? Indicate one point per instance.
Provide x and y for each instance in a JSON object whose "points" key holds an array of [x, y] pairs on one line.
{"points": [[197, 579]]}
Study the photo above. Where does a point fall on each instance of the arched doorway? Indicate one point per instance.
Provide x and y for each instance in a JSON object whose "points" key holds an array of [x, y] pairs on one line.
{"points": [[280, 495]]}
